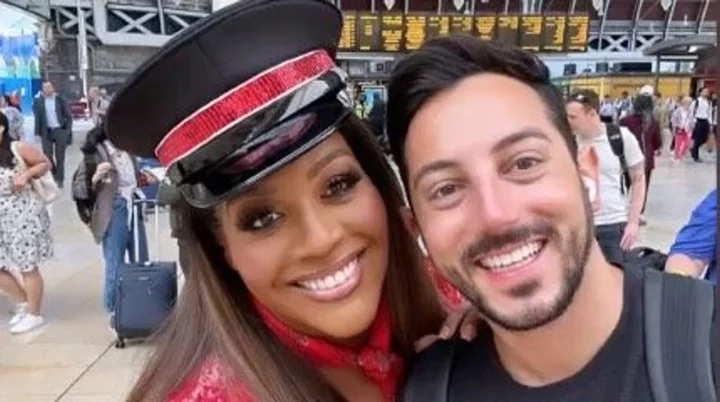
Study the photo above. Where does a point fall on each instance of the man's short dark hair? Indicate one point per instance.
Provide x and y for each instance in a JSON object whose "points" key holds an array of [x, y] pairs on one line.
{"points": [[443, 62], [587, 97]]}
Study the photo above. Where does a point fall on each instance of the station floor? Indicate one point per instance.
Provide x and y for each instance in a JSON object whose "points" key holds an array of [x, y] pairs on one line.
{"points": [[72, 358]]}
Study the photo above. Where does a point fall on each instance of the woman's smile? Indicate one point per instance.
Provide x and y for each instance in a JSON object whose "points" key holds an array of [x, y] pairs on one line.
{"points": [[333, 283]]}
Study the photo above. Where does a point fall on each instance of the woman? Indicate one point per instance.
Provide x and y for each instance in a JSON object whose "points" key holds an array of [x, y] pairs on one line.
{"points": [[303, 284], [15, 118], [682, 124], [25, 238], [113, 176]]}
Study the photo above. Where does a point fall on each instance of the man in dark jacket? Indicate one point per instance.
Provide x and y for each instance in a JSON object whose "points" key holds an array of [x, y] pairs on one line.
{"points": [[53, 125]]}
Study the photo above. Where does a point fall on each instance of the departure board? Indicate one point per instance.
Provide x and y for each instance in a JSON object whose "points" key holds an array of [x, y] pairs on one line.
{"points": [[461, 24], [368, 37], [576, 39], [415, 26], [507, 29], [485, 26], [438, 25], [391, 32], [531, 32], [347, 39], [553, 36]]}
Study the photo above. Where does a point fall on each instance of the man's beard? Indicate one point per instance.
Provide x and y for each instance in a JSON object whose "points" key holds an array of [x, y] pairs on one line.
{"points": [[574, 253]]}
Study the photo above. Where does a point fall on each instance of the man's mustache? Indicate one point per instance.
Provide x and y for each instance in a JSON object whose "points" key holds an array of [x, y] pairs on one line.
{"points": [[487, 243]]}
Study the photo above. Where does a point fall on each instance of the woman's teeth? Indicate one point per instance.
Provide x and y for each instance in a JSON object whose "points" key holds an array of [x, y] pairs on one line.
{"points": [[509, 260], [333, 280]]}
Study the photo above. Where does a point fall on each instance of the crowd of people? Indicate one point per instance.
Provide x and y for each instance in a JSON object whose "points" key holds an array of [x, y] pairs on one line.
{"points": [[305, 279], [26, 240]]}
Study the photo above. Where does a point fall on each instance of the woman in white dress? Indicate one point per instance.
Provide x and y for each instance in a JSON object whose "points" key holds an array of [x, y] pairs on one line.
{"points": [[25, 238]]}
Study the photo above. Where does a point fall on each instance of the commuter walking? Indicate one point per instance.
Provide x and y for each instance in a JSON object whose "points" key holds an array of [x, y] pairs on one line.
{"points": [[53, 125], [682, 125], [702, 114]]}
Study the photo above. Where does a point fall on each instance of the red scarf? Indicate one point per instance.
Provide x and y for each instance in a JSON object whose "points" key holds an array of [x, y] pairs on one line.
{"points": [[375, 359]]}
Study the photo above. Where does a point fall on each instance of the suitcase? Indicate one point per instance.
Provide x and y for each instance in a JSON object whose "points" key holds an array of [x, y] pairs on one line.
{"points": [[145, 290]]}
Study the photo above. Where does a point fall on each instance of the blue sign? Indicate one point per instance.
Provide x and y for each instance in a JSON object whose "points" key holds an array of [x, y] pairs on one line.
{"points": [[20, 67]]}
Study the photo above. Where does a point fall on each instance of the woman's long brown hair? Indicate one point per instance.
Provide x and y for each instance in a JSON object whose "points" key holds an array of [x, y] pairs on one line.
{"points": [[214, 317]]}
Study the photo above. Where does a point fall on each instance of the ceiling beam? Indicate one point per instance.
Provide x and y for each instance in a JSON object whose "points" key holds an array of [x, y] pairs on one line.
{"points": [[668, 18], [636, 18], [701, 17], [603, 18]]}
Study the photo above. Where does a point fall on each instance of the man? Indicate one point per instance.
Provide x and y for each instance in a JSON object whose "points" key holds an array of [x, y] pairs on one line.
{"points": [[623, 105], [98, 104], [498, 200], [607, 110], [53, 125], [662, 110], [617, 223], [702, 111], [694, 252]]}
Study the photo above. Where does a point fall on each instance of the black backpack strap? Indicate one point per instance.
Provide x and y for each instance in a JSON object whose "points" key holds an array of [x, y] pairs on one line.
{"points": [[618, 147], [429, 379], [678, 316]]}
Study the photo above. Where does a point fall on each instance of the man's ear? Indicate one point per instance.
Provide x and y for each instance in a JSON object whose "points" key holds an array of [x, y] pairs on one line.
{"points": [[409, 221], [411, 225]]}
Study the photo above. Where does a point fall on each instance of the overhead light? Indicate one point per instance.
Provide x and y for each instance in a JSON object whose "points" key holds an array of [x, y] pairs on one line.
{"points": [[692, 49]]}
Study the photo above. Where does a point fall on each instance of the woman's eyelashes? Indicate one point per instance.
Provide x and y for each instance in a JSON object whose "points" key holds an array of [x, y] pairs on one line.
{"points": [[342, 184], [259, 219], [335, 189]]}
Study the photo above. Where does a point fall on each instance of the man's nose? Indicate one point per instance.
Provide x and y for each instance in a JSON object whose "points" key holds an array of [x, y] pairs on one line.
{"points": [[496, 206]]}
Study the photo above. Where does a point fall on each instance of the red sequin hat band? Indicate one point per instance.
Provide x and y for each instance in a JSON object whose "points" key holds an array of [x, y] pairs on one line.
{"points": [[239, 103]]}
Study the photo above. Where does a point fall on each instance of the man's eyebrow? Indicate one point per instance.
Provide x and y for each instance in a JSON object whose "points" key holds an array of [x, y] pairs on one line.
{"points": [[432, 167], [522, 135]]}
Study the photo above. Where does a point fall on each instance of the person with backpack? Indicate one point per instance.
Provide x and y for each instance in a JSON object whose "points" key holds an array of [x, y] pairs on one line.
{"points": [[505, 217], [621, 192], [103, 188]]}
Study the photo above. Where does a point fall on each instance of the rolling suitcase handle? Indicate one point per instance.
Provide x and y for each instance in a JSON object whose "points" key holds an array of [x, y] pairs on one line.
{"points": [[140, 204]]}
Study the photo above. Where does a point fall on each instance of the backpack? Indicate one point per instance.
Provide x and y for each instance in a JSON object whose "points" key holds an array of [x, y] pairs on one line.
{"points": [[82, 190], [676, 342], [618, 147], [645, 258]]}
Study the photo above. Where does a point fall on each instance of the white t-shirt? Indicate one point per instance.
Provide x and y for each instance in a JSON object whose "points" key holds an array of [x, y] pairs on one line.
{"points": [[702, 109], [613, 203]]}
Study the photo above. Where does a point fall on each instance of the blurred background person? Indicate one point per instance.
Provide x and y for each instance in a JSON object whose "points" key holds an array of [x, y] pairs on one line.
{"points": [[15, 118], [607, 110], [98, 103], [25, 238], [641, 122], [53, 124], [682, 125], [701, 112]]}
